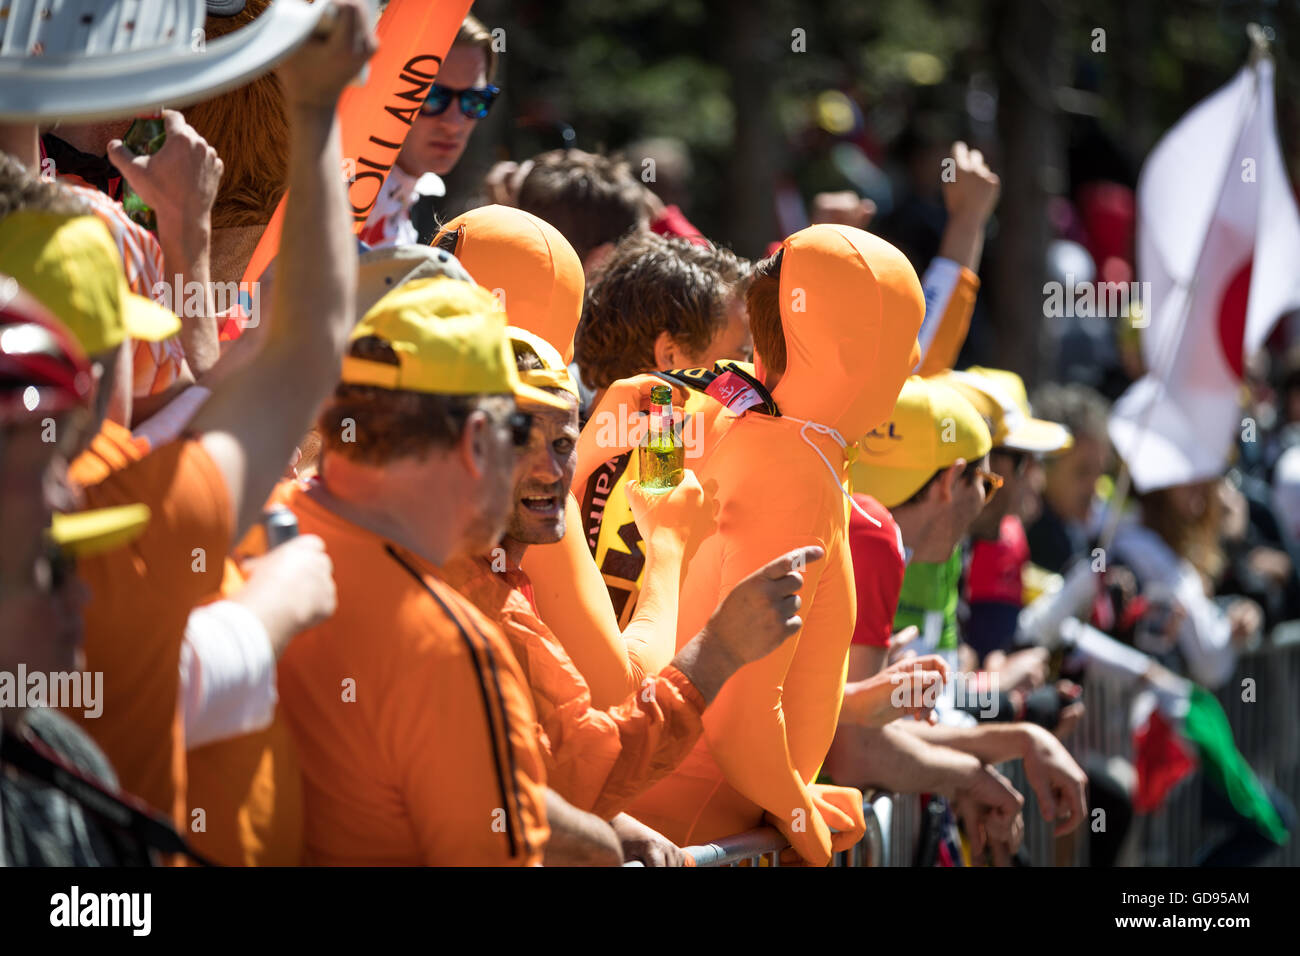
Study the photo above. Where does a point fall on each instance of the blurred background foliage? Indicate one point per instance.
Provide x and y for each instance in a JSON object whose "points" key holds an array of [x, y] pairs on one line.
{"points": [[773, 100]]}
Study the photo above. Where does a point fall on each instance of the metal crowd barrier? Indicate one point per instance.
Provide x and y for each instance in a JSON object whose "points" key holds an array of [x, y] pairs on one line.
{"points": [[763, 846], [1266, 730]]}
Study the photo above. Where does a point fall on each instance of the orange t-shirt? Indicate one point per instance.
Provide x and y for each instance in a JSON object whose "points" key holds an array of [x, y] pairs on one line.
{"points": [[141, 596], [414, 727], [249, 788], [598, 760]]}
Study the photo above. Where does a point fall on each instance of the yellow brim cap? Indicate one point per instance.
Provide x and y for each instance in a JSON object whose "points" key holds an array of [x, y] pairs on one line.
{"points": [[86, 533], [889, 486], [450, 339], [553, 374], [1038, 436], [147, 320], [932, 426], [537, 396]]}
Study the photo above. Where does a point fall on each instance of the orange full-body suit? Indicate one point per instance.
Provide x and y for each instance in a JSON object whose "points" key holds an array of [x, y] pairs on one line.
{"points": [[615, 663], [850, 306]]}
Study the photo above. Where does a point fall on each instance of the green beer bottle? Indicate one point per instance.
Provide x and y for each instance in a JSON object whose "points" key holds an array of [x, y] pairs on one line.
{"points": [[144, 138], [662, 454]]}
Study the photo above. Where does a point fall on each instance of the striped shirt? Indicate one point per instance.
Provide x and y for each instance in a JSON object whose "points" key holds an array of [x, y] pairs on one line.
{"points": [[157, 364]]}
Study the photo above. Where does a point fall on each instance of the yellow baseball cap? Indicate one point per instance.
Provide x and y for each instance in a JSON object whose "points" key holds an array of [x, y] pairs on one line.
{"points": [[931, 426], [86, 533], [1001, 398], [450, 339], [553, 373], [71, 264]]}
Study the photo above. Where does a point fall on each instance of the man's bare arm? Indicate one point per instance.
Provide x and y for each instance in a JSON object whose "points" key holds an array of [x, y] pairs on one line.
{"points": [[991, 743], [250, 426], [892, 759], [970, 197], [578, 838], [1056, 778], [180, 183]]}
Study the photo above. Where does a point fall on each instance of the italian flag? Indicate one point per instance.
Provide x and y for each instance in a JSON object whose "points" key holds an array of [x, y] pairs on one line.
{"points": [[1178, 726], [1218, 243]]}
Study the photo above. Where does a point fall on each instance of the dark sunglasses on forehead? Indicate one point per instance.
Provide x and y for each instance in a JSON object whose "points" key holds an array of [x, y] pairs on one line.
{"points": [[475, 102]]}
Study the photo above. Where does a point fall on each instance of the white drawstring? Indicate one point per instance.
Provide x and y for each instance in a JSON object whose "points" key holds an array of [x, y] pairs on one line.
{"points": [[839, 440]]}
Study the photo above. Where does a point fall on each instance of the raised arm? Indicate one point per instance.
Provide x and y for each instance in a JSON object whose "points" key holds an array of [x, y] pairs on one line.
{"points": [[572, 600], [180, 183], [951, 281], [250, 425]]}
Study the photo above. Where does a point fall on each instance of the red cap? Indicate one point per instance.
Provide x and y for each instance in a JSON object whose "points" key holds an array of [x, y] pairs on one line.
{"points": [[42, 368]]}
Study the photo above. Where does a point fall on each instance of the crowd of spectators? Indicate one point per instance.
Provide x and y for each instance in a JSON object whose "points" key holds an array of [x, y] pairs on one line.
{"points": [[488, 644]]}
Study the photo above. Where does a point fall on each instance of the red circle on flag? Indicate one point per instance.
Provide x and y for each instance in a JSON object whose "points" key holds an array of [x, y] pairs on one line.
{"points": [[1232, 319]]}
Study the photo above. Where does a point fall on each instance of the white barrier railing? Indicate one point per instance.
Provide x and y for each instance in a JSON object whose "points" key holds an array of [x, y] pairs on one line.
{"points": [[763, 846]]}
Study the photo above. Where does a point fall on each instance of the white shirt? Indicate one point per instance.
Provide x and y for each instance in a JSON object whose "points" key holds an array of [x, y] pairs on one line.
{"points": [[227, 674], [1205, 637], [389, 222]]}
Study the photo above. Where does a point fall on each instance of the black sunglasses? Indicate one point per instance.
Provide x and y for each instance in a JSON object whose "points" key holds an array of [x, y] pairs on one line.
{"points": [[474, 102]]}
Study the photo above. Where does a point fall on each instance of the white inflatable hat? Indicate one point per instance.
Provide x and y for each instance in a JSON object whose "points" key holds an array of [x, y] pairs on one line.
{"points": [[104, 59]]}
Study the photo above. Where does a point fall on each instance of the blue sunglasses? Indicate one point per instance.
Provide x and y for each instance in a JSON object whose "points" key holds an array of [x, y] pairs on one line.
{"points": [[474, 102]]}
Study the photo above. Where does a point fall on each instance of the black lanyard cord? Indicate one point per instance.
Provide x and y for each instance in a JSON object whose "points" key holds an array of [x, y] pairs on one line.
{"points": [[122, 811]]}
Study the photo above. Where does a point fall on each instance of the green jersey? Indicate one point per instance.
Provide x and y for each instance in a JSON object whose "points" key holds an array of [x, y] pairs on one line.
{"points": [[929, 601]]}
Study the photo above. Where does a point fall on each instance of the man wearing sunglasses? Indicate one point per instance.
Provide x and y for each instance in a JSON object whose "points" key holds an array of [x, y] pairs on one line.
{"points": [[461, 96], [1000, 548], [929, 465], [413, 723], [600, 758]]}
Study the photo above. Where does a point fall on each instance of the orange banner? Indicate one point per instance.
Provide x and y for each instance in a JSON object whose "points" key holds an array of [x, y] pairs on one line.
{"points": [[414, 36]]}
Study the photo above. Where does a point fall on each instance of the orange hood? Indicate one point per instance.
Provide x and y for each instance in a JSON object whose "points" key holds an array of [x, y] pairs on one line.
{"points": [[851, 306], [535, 267]]}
